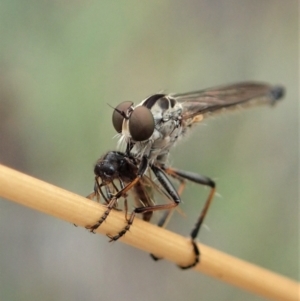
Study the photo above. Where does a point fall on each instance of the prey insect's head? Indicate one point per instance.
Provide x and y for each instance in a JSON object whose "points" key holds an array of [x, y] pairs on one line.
{"points": [[107, 168], [137, 121], [106, 171], [115, 165]]}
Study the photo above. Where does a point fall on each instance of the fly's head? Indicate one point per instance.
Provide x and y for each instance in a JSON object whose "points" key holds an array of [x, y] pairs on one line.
{"points": [[136, 124], [150, 125]]}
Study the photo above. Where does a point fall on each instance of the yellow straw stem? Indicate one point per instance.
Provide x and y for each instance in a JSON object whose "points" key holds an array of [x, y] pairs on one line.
{"points": [[60, 203]]}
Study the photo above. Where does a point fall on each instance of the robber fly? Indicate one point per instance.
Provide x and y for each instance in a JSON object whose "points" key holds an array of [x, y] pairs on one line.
{"points": [[153, 126], [150, 129]]}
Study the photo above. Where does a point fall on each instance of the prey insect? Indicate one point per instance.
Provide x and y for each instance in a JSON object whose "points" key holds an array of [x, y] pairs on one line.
{"points": [[130, 173]]}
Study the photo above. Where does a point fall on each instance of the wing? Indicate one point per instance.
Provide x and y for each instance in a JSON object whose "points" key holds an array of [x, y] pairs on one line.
{"points": [[233, 96]]}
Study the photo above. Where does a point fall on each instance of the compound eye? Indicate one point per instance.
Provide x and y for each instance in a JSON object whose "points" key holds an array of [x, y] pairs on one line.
{"points": [[119, 113], [141, 124]]}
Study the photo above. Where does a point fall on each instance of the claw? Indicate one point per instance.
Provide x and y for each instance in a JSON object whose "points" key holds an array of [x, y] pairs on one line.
{"points": [[197, 257]]}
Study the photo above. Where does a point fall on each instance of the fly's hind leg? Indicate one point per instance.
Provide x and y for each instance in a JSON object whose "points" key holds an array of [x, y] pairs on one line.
{"points": [[162, 223], [186, 175], [164, 220]]}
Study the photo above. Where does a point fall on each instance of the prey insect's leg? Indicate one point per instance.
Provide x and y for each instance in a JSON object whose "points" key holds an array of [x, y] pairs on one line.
{"points": [[96, 194], [142, 198], [110, 206], [141, 171], [167, 185], [108, 198], [124, 230], [169, 188], [127, 227], [199, 180], [98, 191]]}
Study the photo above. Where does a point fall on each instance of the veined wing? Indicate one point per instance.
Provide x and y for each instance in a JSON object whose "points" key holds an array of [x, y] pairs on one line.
{"points": [[232, 96]]}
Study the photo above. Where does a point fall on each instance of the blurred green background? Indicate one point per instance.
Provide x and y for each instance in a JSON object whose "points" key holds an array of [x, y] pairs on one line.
{"points": [[63, 62]]}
